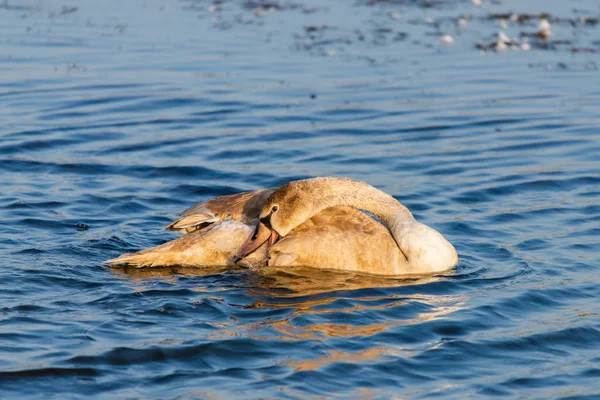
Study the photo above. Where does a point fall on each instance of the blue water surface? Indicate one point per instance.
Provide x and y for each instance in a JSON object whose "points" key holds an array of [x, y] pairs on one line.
{"points": [[117, 115]]}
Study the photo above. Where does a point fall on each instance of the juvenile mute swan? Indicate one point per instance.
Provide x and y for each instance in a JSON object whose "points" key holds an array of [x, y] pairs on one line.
{"points": [[313, 222]]}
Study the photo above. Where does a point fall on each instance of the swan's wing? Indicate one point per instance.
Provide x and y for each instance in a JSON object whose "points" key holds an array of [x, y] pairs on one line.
{"points": [[243, 207], [213, 245], [340, 238], [216, 229]]}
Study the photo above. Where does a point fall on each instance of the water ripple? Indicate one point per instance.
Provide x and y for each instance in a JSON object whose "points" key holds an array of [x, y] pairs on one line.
{"points": [[112, 127]]}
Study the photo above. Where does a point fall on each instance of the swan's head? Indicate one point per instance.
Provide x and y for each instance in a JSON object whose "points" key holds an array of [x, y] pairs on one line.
{"points": [[284, 210]]}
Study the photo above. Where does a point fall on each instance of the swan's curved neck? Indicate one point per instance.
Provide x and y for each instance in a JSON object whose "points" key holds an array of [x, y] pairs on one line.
{"points": [[424, 247], [346, 192]]}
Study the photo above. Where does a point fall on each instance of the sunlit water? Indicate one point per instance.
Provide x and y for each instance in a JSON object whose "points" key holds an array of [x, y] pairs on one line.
{"points": [[117, 115]]}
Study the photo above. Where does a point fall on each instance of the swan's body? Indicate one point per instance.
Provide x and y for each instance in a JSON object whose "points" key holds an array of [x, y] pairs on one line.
{"points": [[313, 222]]}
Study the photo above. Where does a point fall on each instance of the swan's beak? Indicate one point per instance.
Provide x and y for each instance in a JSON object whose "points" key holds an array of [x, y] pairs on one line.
{"points": [[261, 234]]}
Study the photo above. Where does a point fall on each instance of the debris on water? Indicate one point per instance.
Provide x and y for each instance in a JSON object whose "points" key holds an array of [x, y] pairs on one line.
{"points": [[312, 10], [499, 46], [359, 35], [544, 30], [521, 18], [500, 43], [17, 7], [379, 29], [503, 38], [400, 36], [583, 50], [313, 28], [588, 21], [67, 10], [446, 39], [313, 96]]}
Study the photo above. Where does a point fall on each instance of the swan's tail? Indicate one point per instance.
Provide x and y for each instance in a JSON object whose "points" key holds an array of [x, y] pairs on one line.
{"points": [[186, 250], [153, 257]]}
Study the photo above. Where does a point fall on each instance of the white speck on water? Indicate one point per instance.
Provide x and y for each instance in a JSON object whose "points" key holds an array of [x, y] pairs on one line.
{"points": [[446, 39], [544, 28], [500, 46], [503, 38]]}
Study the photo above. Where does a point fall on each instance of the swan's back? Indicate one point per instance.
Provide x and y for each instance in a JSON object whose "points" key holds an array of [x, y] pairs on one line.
{"points": [[340, 238]]}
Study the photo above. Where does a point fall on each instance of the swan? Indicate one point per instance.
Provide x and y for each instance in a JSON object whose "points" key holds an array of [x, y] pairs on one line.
{"points": [[313, 222]]}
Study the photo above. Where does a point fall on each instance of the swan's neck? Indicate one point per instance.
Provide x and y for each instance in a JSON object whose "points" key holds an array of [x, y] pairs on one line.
{"points": [[425, 248]]}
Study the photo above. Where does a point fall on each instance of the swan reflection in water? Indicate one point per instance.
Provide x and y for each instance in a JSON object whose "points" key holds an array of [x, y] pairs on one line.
{"points": [[309, 291], [321, 304]]}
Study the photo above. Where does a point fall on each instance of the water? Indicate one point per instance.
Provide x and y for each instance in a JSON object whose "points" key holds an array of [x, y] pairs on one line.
{"points": [[115, 116]]}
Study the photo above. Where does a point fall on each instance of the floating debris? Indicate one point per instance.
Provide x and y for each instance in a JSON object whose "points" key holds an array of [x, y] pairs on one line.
{"points": [[446, 39], [588, 21], [503, 38], [544, 30], [67, 10], [500, 44], [380, 28], [521, 18], [400, 36], [583, 50]]}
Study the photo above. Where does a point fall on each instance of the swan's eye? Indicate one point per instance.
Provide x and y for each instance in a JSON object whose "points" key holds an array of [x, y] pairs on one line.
{"points": [[275, 208]]}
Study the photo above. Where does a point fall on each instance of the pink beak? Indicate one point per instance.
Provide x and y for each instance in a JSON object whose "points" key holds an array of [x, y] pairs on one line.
{"points": [[261, 234]]}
